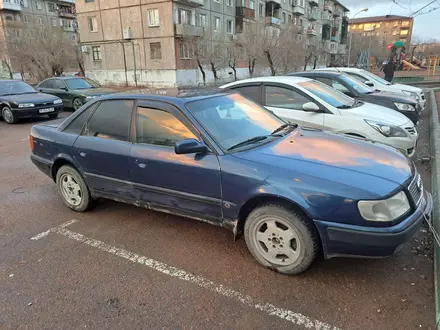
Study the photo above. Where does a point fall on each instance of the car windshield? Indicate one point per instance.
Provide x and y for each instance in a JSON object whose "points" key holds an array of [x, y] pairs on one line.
{"points": [[15, 88], [81, 83], [326, 93], [233, 119], [377, 79], [356, 84]]}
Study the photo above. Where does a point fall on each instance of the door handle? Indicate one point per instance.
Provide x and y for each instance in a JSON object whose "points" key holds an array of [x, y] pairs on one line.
{"points": [[141, 165], [82, 154]]}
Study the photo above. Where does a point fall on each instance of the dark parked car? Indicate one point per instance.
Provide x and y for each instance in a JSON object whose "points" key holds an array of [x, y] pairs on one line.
{"points": [[226, 160], [354, 88], [19, 100], [74, 91]]}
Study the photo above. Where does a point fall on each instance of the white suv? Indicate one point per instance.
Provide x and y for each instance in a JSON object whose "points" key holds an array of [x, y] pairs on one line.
{"points": [[380, 84], [309, 103]]}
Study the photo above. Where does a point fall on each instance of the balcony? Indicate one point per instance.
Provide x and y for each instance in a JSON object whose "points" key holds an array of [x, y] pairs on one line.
{"points": [[68, 1], [333, 48], [245, 12], [275, 1], [311, 32], [326, 46], [298, 29], [337, 13], [333, 38], [328, 7], [10, 5], [69, 28], [369, 28], [191, 3], [13, 24], [188, 30], [312, 16], [66, 12], [270, 20], [342, 49], [313, 3], [298, 10]]}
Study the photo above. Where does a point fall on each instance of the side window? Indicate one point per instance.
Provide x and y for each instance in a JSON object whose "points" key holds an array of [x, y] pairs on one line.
{"points": [[111, 120], [358, 77], [281, 97], [49, 84], [160, 128], [336, 85], [326, 81], [75, 127], [58, 84], [251, 92]]}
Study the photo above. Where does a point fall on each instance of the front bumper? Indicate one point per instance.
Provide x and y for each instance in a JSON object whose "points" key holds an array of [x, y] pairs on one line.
{"points": [[414, 116], [35, 111], [406, 145], [357, 241]]}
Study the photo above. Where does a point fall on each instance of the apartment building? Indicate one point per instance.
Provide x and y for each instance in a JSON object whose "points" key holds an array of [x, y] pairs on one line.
{"points": [[144, 41], [388, 28], [18, 15]]}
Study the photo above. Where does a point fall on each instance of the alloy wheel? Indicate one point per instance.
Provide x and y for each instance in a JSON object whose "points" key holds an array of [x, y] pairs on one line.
{"points": [[70, 189]]}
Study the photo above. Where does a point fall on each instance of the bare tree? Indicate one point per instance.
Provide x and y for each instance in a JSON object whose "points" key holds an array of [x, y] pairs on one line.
{"points": [[234, 50], [5, 61]]}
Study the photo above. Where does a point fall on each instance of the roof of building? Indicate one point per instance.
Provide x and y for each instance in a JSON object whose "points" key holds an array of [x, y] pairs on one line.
{"points": [[377, 19], [343, 7]]}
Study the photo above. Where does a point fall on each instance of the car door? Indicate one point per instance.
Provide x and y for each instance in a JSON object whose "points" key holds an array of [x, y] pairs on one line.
{"points": [[187, 184], [103, 150], [58, 88], [287, 102]]}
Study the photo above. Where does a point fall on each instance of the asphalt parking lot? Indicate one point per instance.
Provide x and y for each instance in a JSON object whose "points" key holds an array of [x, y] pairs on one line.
{"points": [[122, 267]]}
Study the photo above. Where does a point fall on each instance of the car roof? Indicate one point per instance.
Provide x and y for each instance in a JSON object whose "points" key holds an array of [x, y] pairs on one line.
{"points": [[9, 80], [321, 73], [279, 79], [340, 69], [65, 78]]}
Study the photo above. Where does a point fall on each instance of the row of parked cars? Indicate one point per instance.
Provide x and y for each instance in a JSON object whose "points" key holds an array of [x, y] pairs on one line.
{"points": [[338, 184]]}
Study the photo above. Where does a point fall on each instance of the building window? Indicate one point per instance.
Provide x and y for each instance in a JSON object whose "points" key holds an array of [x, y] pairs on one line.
{"points": [[153, 17], [185, 51], [74, 37], [51, 7], [26, 19], [395, 32], [229, 3], [183, 16], [155, 51], [66, 23], [284, 17], [201, 20], [229, 26], [290, 18], [93, 23], [40, 21], [54, 21], [404, 32], [89, 1], [405, 23], [218, 1], [217, 24], [261, 9], [25, 3], [96, 52], [38, 5], [403, 40], [252, 4]]}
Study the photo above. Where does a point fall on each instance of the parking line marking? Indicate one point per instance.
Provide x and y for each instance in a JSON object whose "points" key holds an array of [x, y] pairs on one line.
{"points": [[268, 308], [52, 230]]}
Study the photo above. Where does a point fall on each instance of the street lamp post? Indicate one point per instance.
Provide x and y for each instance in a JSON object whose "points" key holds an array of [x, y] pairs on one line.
{"points": [[351, 35]]}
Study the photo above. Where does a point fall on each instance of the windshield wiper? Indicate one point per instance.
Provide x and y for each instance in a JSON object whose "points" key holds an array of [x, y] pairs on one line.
{"points": [[282, 127], [344, 106], [249, 141]]}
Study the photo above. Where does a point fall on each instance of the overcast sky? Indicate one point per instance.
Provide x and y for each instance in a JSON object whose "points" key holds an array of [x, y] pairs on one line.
{"points": [[425, 26]]}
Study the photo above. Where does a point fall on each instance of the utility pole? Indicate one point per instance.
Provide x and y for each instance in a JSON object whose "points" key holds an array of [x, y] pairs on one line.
{"points": [[134, 63], [351, 36]]}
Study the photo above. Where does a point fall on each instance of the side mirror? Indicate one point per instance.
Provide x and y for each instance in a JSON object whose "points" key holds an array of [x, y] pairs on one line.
{"points": [[190, 146], [311, 107], [64, 89], [369, 83]]}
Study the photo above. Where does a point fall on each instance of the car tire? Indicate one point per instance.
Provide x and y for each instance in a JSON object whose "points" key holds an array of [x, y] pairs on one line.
{"points": [[53, 116], [77, 103], [8, 115], [282, 239], [73, 189]]}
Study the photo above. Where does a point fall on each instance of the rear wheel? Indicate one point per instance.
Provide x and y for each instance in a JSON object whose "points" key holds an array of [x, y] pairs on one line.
{"points": [[8, 115], [77, 103], [73, 189], [281, 239]]}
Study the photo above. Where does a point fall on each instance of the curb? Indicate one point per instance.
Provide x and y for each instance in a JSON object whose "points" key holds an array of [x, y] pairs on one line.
{"points": [[435, 173]]}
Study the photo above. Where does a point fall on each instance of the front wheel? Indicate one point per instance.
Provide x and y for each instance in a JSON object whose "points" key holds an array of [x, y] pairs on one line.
{"points": [[73, 189], [8, 115], [281, 239], [77, 103]]}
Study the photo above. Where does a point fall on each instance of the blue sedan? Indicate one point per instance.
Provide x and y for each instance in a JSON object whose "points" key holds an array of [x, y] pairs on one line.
{"points": [[293, 192]]}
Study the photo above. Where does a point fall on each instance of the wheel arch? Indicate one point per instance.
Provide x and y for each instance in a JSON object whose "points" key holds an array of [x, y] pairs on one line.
{"points": [[62, 160]]}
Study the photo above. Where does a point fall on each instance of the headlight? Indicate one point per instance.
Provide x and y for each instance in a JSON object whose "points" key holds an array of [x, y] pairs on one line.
{"points": [[26, 105], [412, 94], [58, 101], [88, 98], [404, 106], [387, 130], [386, 209]]}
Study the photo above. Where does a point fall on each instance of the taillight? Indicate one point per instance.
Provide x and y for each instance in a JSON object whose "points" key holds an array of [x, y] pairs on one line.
{"points": [[31, 142]]}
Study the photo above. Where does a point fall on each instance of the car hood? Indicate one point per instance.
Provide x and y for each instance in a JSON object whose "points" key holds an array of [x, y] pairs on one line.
{"points": [[30, 98], [378, 113], [94, 91], [402, 87], [395, 97], [336, 158]]}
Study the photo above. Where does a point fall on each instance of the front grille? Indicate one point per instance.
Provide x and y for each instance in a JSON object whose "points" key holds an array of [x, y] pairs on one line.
{"points": [[411, 130], [415, 188], [43, 104]]}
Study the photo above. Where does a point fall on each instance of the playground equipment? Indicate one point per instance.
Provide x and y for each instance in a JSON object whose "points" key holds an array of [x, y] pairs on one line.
{"points": [[432, 63], [409, 66]]}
